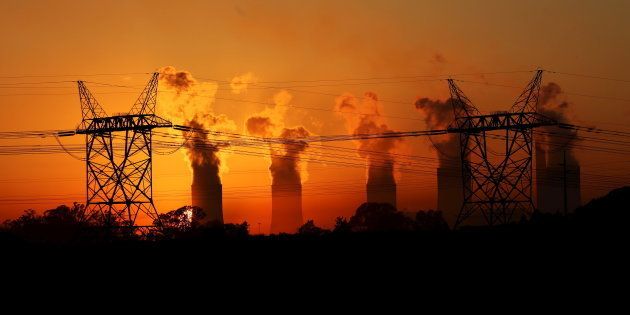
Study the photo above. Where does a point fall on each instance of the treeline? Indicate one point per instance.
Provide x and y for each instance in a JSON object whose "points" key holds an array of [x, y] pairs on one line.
{"points": [[69, 224]]}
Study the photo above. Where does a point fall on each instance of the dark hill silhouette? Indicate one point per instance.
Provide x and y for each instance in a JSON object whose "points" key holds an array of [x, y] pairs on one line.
{"points": [[609, 211]]}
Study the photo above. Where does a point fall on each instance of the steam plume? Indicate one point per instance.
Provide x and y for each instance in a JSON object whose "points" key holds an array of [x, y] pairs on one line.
{"points": [[240, 83], [285, 162], [363, 116], [286, 167], [438, 115], [187, 101], [203, 157], [550, 105]]}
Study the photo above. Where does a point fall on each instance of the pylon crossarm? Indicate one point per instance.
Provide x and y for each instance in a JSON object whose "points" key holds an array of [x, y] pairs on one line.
{"points": [[90, 108], [501, 121], [462, 106], [124, 123], [147, 101], [528, 100]]}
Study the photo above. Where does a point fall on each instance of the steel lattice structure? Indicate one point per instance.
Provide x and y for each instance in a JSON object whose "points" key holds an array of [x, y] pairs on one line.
{"points": [[497, 190], [118, 155]]}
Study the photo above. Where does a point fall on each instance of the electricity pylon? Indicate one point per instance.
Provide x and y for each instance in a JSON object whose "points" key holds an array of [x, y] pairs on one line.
{"points": [[118, 156], [500, 190]]}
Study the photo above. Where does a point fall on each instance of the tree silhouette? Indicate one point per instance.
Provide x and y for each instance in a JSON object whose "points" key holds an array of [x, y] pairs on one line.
{"points": [[379, 217], [430, 221], [60, 224], [310, 229], [181, 220], [236, 231], [342, 226]]}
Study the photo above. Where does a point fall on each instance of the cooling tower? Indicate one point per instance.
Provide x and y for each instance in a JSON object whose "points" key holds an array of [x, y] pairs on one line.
{"points": [[286, 208], [551, 178], [381, 193], [450, 193], [210, 199]]}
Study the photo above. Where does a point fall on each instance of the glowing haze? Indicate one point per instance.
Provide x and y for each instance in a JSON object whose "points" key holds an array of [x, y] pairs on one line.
{"points": [[277, 68]]}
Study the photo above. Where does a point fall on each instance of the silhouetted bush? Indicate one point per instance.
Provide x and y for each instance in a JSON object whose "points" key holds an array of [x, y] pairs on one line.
{"points": [[236, 231], [342, 226], [175, 223], [61, 224], [430, 221], [379, 217], [311, 230]]}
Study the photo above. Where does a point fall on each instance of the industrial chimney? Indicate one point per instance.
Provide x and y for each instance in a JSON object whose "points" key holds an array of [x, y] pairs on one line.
{"points": [[208, 197], [381, 185], [286, 208], [557, 181], [450, 191], [381, 194]]}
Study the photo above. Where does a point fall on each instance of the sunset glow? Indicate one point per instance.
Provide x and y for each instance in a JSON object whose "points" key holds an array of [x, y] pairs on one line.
{"points": [[295, 69]]}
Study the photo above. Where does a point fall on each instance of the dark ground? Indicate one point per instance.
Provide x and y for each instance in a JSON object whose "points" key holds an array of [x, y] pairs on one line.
{"points": [[589, 245]]}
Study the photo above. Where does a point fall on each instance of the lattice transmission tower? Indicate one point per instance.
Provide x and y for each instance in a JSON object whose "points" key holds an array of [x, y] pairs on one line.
{"points": [[118, 158], [498, 190]]}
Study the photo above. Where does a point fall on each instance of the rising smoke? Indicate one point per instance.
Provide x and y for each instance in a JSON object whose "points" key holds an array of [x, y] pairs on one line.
{"points": [[286, 167], [363, 116], [285, 162], [180, 81], [556, 139], [204, 162], [240, 83], [187, 101], [438, 115]]}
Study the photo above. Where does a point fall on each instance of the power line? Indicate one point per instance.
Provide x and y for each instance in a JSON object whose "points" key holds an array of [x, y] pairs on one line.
{"points": [[561, 92], [68, 75], [588, 76]]}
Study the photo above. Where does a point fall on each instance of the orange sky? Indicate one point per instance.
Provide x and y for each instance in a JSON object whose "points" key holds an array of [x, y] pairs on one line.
{"points": [[296, 40]]}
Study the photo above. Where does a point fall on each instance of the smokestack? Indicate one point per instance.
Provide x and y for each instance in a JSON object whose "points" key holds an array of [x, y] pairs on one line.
{"points": [[363, 117], [557, 168], [286, 186], [286, 175], [286, 208], [210, 199], [206, 188], [450, 194], [541, 173], [190, 105], [381, 185]]}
